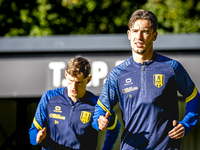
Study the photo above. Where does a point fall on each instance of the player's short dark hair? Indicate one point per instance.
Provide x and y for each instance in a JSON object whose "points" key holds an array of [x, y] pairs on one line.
{"points": [[78, 66], [143, 14]]}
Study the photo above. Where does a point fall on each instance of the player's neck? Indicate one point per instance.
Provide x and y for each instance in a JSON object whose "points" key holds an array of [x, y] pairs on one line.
{"points": [[140, 58], [74, 99]]}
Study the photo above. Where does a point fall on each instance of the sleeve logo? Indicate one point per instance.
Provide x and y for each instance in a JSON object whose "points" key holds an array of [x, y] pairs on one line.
{"points": [[85, 117], [158, 80]]}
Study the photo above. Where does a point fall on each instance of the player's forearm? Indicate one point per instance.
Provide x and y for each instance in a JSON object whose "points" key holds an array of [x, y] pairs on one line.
{"points": [[98, 112], [33, 134], [192, 114]]}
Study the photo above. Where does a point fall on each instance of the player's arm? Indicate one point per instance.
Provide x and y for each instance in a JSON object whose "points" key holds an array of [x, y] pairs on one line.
{"points": [[36, 135], [113, 130], [37, 132], [187, 88], [99, 113], [192, 111], [107, 99]]}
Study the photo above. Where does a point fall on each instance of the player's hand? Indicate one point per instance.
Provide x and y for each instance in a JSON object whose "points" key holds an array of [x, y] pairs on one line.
{"points": [[177, 132], [41, 135], [103, 121]]}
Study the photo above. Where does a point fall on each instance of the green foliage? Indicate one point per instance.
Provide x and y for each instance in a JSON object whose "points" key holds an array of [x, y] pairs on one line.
{"points": [[176, 16], [56, 17], [53, 17]]}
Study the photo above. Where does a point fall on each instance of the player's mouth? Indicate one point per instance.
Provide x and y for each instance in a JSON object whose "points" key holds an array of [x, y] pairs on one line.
{"points": [[74, 91], [139, 44]]}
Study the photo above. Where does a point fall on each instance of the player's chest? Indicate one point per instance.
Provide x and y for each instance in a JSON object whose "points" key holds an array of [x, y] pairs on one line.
{"points": [[60, 114], [144, 83]]}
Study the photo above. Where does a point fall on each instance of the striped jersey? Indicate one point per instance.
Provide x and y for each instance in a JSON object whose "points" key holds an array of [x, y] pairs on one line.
{"points": [[147, 95], [69, 124]]}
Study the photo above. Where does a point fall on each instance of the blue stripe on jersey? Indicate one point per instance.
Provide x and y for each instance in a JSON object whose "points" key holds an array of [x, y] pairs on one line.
{"points": [[184, 84], [111, 81]]}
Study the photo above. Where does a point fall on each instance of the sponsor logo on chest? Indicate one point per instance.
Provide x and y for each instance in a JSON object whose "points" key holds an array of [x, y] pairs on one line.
{"points": [[129, 89], [57, 116]]}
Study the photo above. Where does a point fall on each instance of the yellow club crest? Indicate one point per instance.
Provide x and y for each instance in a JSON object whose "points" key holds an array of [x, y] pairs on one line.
{"points": [[85, 117], [158, 80]]}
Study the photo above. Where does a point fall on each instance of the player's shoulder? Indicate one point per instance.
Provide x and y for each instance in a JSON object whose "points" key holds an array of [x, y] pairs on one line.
{"points": [[117, 69], [53, 92], [175, 64], [124, 64]]}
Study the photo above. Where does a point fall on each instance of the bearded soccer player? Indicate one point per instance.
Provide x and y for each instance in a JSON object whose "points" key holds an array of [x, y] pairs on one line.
{"points": [[64, 115]]}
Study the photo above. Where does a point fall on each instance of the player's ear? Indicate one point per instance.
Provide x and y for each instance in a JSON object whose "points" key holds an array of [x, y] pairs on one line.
{"points": [[89, 79], [155, 36], [128, 33], [65, 73]]}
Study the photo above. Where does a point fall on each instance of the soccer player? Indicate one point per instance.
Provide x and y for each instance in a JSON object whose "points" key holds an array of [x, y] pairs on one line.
{"points": [[146, 86], [64, 115]]}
